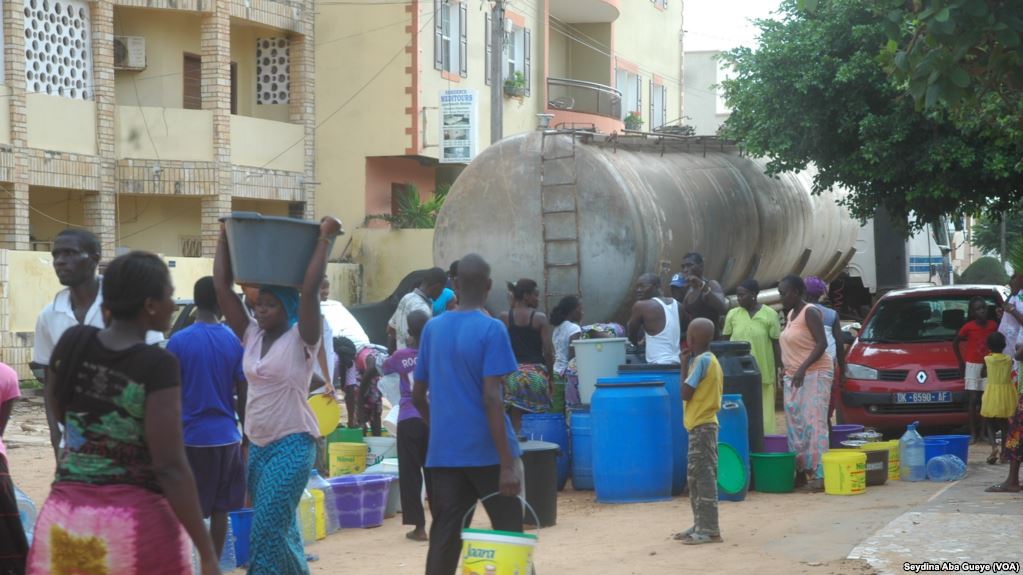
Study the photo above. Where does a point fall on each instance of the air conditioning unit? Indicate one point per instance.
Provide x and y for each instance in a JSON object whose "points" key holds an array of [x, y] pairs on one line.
{"points": [[129, 53]]}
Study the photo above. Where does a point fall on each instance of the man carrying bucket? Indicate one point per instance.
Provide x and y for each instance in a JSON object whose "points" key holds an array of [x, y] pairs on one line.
{"points": [[463, 358]]}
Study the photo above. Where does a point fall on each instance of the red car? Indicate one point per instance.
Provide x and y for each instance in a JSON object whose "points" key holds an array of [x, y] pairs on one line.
{"points": [[902, 368]]}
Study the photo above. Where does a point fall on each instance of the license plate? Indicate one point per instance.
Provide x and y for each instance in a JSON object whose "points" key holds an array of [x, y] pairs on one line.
{"points": [[925, 397]]}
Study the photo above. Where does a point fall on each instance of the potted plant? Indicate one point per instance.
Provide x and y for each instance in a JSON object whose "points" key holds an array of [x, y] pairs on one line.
{"points": [[414, 213], [633, 121], [516, 85]]}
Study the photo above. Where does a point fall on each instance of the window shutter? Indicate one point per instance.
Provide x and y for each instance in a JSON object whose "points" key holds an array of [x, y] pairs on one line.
{"points": [[639, 94], [463, 39], [438, 33], [527, 51], [652, 100], [664, 105], [490, 51]]}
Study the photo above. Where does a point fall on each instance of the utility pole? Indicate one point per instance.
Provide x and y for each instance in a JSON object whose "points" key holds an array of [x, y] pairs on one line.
{"points": [[1002, 240], [497, 71]]}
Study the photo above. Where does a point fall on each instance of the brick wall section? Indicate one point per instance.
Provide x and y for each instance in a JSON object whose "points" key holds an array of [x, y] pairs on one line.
{"points": [[302, 106], [216, 97], [14, 210], [101, 204]]}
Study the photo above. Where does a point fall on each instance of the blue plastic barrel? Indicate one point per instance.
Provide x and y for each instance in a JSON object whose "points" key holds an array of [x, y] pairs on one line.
{"points": [[582, 448], [679, 436], [631, 440], [550, 427], [734, 430]]}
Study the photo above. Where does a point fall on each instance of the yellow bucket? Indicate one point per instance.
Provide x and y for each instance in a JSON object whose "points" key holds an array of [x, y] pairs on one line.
{"points": [[496, 552], [893, 455], [319, 513], [346, 458], [845, 472]]}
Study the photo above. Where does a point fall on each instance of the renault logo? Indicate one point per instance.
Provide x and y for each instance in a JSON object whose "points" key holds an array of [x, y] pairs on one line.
{"points": [[921, 377]]}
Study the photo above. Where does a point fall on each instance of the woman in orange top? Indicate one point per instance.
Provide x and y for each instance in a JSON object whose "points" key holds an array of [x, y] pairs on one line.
{"points": [[807, 382]]}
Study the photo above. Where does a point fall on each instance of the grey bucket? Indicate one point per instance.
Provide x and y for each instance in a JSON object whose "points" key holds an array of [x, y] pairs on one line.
{"points": [[270, 250]]}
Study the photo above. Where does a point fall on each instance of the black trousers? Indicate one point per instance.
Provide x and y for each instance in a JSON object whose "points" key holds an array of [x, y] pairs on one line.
{"points": [[455, 491], [13, 545], [413, 438]]}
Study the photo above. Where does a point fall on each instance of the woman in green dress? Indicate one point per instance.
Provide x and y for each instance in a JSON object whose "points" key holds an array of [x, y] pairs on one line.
{"points": [[759, 325]]}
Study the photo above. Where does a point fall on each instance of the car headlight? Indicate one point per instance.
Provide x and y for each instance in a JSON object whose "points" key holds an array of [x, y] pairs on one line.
{"points": [[855, 371]]}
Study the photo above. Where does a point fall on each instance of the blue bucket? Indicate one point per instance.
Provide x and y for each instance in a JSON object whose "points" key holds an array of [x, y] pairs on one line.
{"points": [[958, 445], [241, 525], [933, 448]]}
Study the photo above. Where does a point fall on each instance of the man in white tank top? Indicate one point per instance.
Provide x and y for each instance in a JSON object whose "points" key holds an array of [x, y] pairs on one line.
{"points": [[656, 320]]}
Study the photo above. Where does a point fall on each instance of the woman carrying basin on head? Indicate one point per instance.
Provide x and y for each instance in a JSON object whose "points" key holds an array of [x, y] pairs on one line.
{"points": [[281, 345]]}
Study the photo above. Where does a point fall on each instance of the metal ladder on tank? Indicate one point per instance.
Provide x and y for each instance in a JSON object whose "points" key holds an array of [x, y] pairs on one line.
{"points": [[559, 207]]}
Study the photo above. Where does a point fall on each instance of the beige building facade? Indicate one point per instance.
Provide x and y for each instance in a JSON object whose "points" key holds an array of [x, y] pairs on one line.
{"points": [[404, 89], [147, 121]]}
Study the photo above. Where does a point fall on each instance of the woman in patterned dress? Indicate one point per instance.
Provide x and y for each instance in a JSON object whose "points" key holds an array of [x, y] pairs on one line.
{"points": [[528, 390]]}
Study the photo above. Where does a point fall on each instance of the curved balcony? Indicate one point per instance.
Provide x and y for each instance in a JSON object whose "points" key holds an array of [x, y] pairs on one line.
{"points": [[575, 102], [585, 11]]}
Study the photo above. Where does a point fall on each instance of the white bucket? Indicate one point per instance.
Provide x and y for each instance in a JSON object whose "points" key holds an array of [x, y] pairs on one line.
{"points": [[380, 448], [596, 358]]}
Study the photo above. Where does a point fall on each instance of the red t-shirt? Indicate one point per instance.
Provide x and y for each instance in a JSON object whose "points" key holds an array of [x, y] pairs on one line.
{"points": [[973, 340]]}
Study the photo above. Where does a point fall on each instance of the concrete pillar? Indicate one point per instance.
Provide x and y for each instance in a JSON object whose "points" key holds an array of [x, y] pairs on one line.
{"points": [[14, 206], [215, 45], [100, 206]]}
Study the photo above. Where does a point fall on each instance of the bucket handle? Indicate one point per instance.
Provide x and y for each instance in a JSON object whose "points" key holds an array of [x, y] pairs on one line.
{"points": [[494, 494]]}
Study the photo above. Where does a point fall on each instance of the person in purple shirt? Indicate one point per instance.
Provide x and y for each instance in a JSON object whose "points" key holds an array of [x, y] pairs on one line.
{"points": [[413, 435], [464, 356]]}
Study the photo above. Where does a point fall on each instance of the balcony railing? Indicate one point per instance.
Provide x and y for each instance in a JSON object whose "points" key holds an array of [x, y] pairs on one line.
{"points": [[584, 97]]}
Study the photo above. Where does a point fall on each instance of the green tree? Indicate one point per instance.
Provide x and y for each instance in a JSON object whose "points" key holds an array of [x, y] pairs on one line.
{"points": [[965, 56], [817, 92], [986, 271], [987, 232]]}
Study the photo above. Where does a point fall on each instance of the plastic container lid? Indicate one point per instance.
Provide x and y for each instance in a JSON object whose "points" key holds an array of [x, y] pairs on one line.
{"points": [[731, 470], [631, 381]]}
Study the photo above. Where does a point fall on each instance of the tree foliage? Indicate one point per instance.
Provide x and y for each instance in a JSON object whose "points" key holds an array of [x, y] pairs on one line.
{"points": [[964, 56], [987, 231], [985, 271], [817, 93]]}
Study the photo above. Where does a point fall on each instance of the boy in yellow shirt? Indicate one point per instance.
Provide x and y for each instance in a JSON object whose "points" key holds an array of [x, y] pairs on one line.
{"points": [[701, 395]]}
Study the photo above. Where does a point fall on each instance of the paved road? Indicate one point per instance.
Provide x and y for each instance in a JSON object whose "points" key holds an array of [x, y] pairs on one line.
{"points": [[961, 524]]}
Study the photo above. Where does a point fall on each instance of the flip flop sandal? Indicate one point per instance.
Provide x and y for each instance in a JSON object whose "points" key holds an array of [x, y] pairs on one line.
{"points": [[992, 459], [701, 538], [683, 535], [999, 488]]}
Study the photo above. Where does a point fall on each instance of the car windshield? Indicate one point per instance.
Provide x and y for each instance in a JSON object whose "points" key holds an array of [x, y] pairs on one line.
{"points": [[909, 320]]}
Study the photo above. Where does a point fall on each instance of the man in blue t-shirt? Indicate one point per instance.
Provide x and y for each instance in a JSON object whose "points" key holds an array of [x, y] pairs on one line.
{"points": [[211, 372], [463, 358]]}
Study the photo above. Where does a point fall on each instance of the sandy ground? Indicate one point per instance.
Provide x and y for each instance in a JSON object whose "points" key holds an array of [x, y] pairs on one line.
{"points": [[768, 534]]}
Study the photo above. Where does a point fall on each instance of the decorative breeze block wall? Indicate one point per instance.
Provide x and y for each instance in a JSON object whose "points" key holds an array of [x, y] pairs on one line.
{"points": [[58, 48], [272, 71]]}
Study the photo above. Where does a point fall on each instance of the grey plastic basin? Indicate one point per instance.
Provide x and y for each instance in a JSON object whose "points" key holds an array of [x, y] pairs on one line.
{"points": [[270, 250]]}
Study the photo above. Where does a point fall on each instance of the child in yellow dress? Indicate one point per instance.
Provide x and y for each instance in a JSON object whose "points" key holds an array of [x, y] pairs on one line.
{"points": [[998, 403]]}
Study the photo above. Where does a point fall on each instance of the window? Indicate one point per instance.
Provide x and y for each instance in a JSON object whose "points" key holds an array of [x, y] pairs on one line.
{"points": [[450, 37], [658, 105], [273, 76], [517, 54], [192, 99], [58, 48], [192, 83], [630, 85]]}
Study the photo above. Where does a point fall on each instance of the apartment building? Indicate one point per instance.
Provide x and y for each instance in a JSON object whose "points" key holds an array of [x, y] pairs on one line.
{"points": [[705, 106], [145, 121], [404, 89]]}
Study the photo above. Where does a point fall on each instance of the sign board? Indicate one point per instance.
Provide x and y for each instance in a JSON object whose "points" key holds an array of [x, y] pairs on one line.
{"points": [[458, 126]]}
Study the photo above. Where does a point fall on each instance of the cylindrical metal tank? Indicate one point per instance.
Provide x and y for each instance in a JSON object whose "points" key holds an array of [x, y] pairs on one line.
{"points": [[638, 206]]}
